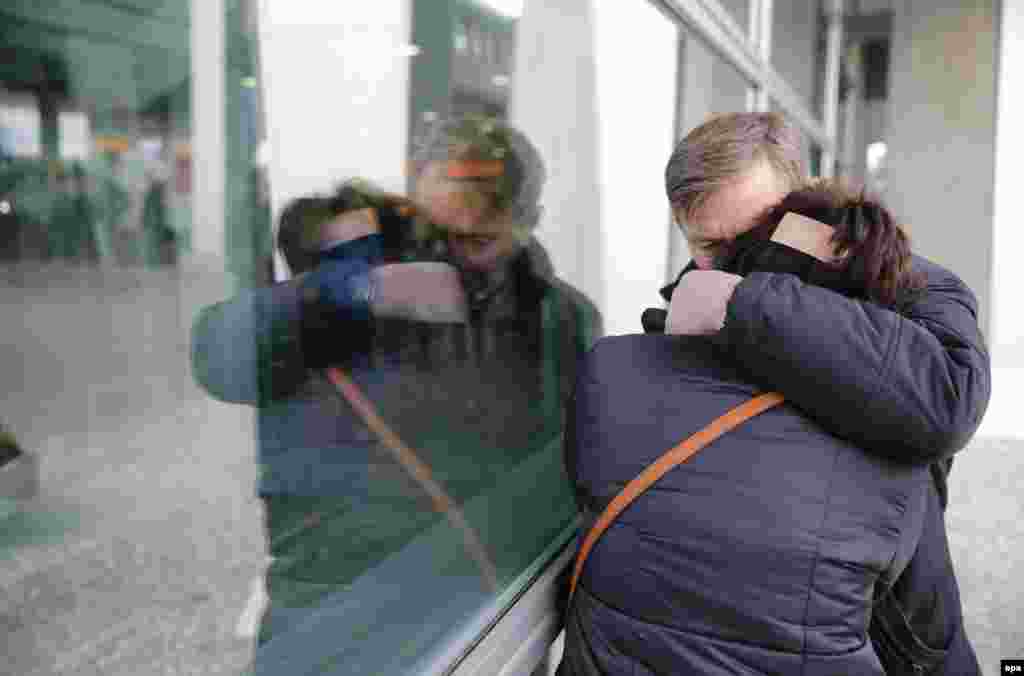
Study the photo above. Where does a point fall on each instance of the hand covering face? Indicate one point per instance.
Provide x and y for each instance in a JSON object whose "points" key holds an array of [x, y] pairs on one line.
{"points": [[698, 298]]}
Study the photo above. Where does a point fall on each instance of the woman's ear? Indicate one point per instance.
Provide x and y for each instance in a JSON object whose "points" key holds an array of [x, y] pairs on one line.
{"points": [[812, 237]]}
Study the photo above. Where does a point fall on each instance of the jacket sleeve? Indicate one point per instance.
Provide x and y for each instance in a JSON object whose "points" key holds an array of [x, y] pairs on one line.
{"points": [[911, 385], [248, 349]]}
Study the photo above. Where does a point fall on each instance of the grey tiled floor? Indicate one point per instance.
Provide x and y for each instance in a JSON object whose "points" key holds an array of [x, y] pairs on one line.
{"points": [[138, 556], [985, 520]]}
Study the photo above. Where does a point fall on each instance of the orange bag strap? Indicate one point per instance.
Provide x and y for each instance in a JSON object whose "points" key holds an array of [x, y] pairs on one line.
{"points": [[671, 459], [417, 469]]}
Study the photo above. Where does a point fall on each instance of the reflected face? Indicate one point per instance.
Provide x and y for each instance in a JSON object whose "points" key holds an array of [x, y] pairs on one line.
{"points": [[731, 211], [481, 237]]}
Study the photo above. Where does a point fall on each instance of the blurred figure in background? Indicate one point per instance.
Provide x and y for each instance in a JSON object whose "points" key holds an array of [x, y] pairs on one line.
{"points": [[70, 230], [19, 473], [444, 312]]}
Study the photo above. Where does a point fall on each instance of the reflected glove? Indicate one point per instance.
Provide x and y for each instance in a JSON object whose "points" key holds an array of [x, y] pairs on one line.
{"points": [[369, 248], [341, 286]]}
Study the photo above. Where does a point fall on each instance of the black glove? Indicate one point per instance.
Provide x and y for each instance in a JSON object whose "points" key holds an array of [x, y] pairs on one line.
{"points": [[336, 297]]}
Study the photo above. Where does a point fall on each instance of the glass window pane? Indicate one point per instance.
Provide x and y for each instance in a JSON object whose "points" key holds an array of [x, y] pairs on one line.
{"points": [[302, 288], [129, 524], [739, 10], [798, 48], [708, 83], [410, 463]]}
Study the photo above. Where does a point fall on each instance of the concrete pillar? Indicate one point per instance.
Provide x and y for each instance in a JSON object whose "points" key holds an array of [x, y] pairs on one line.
{"points": [[942, 134], [1007, 336], [555, 45], [606, 215], [336, 86], [636, 100]]}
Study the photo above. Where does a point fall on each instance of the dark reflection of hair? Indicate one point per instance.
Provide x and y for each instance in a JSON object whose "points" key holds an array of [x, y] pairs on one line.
{"points": [[299, 226]]}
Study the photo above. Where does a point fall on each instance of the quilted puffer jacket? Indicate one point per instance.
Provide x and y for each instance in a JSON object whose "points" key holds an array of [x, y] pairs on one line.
{"points": [[760, 555]]}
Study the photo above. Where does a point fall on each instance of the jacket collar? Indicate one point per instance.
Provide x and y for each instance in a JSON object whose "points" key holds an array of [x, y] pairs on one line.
{"points": [[666, 291]]}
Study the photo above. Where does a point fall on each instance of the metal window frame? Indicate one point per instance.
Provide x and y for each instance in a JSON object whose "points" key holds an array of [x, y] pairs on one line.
{"points": [[830, 100], [760, 35], [712, 23], [519, 642]]}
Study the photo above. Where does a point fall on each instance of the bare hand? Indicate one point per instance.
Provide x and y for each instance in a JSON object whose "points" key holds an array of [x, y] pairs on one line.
{"points": [[426, 291]]}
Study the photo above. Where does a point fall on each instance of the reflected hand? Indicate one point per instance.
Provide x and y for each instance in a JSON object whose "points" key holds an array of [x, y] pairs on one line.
{"points": [[699, 302], [423, 291]]}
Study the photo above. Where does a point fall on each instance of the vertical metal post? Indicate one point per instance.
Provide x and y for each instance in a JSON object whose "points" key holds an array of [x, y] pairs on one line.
{"points": [[753, 36], [830, 100], [764, 46], [847, 155], [759, 32]]}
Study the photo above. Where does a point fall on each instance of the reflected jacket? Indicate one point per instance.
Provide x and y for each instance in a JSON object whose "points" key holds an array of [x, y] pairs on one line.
{"points": [[499, 383]]}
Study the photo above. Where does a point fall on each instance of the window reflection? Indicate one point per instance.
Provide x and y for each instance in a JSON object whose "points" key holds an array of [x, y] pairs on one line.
{"points": [[127, 536], [87, 164], [410, 380], [283, 478]]}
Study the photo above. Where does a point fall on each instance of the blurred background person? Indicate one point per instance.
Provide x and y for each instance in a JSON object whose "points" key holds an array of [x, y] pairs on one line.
{"points": [[444, 311]]}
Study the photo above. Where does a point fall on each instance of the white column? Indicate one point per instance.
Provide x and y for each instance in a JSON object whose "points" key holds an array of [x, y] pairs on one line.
{"points": [[554, 51], [636, 101], [1007, 335], [336, 86], [208, 127], [605, 146]]}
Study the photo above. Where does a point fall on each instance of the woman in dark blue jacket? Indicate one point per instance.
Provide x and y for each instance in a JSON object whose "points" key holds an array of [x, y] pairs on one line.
{"points": [[763, 554]]}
